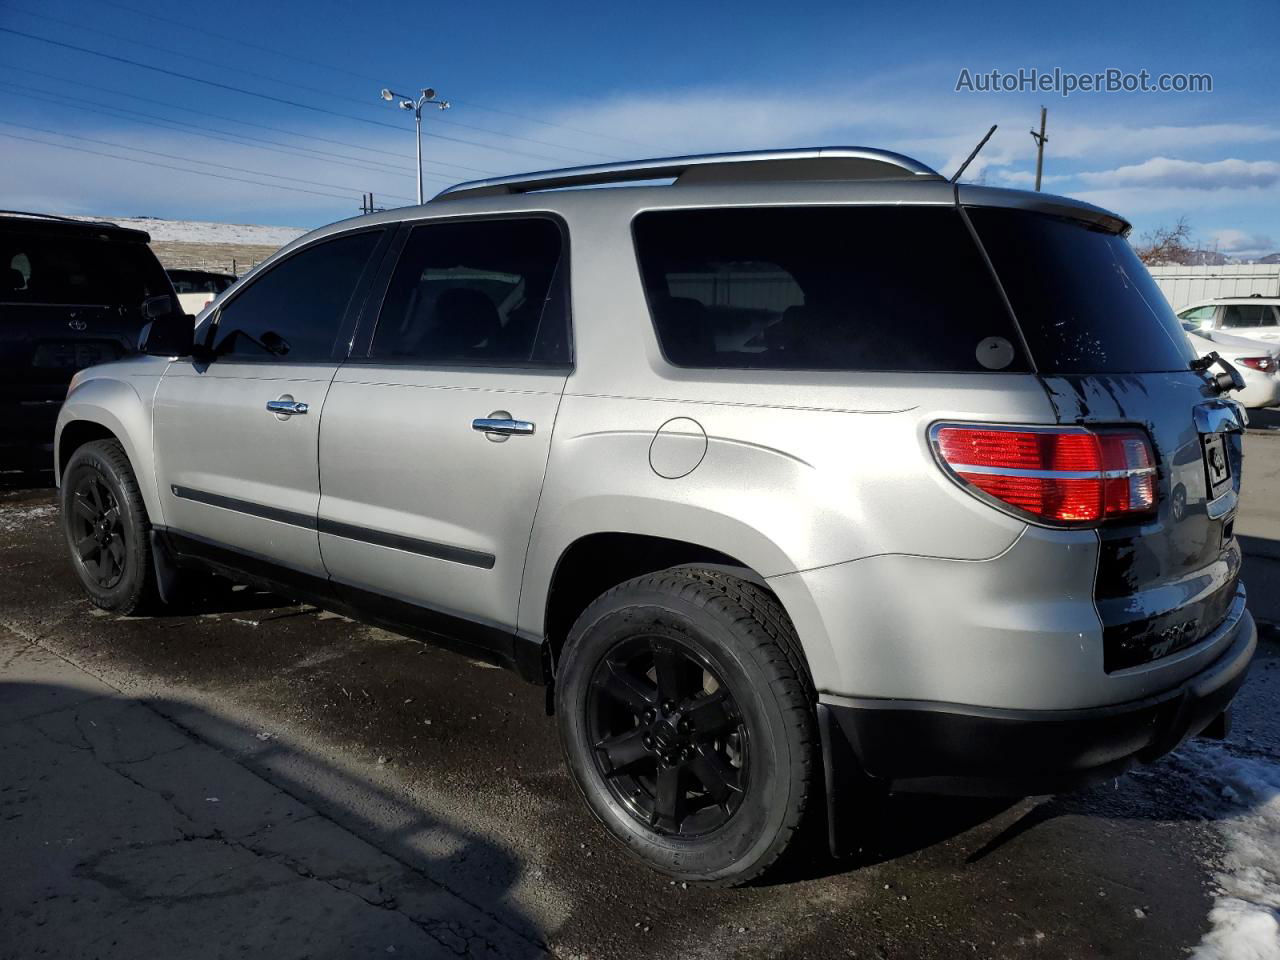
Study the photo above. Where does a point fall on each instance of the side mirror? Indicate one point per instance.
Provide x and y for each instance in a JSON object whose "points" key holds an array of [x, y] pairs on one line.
{"points": [[169, 332], [153, 307]]}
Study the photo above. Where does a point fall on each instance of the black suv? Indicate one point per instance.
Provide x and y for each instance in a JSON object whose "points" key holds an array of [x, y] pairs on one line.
{"points": [[71, 295]]}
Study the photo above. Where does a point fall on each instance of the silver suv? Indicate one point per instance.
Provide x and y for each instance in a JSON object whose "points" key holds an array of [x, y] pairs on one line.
{"points": [[808, 476]]}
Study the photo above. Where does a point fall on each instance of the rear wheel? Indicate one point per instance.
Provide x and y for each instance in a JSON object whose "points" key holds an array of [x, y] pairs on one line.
{"points": [[687, 721], [107, 528]]}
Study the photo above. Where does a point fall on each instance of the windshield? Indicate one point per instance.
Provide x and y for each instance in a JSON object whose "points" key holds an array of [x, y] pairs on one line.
{"points": [[45, 269], [1083, 299]]}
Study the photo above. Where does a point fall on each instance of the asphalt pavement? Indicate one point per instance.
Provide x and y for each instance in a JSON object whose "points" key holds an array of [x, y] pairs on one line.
{"points": [[252, 778]]}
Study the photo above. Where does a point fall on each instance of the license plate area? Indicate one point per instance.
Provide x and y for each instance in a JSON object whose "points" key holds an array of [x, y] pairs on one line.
{"points": [[1217, 465], [73, 354]]}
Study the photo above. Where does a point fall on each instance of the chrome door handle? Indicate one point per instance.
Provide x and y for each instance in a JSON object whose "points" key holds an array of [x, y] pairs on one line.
{"points": [[287, 408], [503, 426]]}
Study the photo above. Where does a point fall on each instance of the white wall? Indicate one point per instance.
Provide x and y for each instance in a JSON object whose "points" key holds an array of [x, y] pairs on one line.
{"points": [[1184, 285]]}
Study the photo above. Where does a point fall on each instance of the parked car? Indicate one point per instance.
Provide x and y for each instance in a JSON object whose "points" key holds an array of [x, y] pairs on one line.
{"points": [[197, 289], [71, 294], [1256, 317], [783, 524], [1258, 363]]}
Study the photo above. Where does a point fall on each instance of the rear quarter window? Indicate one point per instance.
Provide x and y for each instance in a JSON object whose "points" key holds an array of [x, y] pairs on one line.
{"points": [[82, 270], [1082, 298], [823, 288]]}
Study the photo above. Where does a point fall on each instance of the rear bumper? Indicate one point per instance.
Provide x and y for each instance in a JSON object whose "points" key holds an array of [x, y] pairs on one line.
{"points": [[948, 748]]}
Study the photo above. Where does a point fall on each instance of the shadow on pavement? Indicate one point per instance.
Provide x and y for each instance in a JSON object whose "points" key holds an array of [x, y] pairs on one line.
{"points": [[127, 834], [25, 480]]}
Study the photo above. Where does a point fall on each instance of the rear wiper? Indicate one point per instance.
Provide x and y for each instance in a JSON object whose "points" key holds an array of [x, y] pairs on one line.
{"points": [[1229, 379], [1201, 364]]}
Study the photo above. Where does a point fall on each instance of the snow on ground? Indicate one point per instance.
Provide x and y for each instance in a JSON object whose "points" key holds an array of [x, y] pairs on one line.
{"points": [[16, 518], [199, 231], [1240, 795]]}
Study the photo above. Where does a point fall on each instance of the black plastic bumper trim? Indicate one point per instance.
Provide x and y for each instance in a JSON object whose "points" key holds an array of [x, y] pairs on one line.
{"points": [[921, 746]]}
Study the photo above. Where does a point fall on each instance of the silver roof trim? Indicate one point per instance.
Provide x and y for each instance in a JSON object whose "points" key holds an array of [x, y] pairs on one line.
{"points": [[660, 168]]}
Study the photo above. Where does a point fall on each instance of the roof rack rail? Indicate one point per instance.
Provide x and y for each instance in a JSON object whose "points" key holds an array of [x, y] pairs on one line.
{"points": [[55, 216], [804, 163]]}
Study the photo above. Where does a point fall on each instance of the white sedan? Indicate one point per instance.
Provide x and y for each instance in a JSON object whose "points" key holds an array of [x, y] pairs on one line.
{"points": [[196, 289], [1258, 363]]}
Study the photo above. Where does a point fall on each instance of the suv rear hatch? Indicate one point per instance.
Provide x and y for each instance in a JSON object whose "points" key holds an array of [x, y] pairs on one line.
{"points": [[70, 297], [1110, 352]]}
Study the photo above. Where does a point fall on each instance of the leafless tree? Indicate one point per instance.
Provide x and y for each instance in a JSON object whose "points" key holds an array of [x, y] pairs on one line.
{"points": [[1168, 245]]}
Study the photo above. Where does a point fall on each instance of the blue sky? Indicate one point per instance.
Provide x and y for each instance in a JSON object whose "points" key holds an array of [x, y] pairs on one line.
{"points": [[543, 85]]}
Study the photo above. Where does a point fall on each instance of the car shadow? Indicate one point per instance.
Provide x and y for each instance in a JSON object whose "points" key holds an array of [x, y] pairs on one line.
{"points": [[170, 802], [207, 594], [25, 480]]}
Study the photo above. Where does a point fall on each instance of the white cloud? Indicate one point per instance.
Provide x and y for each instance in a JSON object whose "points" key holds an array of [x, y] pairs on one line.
{"points": [[1230, 174], [935, 125], [1241, 243], [1074, 140]]}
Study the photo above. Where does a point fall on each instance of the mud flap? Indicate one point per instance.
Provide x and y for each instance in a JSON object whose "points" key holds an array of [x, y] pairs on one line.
{"points": [[166, 570], [1219, 727], [849, 790]]}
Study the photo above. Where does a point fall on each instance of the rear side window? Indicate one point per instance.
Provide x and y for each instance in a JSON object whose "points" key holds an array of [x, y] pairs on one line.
{"points": [[823, 288], [78, 270], [193, 281], [483, 292], [294, 311], [1248, 315], [1083, 299]]}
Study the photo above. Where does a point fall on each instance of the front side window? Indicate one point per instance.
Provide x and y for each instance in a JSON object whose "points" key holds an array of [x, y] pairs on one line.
{"points": [[294, 311], [823, 288], [486, 292], [1197, 315]]}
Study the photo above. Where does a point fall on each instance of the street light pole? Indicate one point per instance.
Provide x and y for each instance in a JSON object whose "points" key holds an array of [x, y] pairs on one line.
{"points": [[426, 96]]}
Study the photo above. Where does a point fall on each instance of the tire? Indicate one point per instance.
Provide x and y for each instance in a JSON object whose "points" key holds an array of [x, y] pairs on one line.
{"points": [[708, 784], [107, 528]]}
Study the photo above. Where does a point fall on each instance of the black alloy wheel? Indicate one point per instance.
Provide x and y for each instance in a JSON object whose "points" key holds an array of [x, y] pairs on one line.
{"points": [[96, 531], [668, 737], [107, 529], [686, 715]]}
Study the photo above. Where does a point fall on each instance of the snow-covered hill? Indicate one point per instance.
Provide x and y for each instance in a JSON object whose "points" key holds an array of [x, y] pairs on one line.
{"points": [[198, 231]]}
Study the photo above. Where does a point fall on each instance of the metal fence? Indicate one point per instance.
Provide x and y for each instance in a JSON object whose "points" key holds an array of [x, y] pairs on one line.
{"points": [[1184, 285]]}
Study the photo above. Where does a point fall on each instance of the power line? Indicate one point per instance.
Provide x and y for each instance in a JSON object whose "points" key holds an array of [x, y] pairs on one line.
{"points": [[110, 110], [248, 123], [262, 96], [207, 163], [205, 31], [169, 166], [212, 133], [263, 76]]}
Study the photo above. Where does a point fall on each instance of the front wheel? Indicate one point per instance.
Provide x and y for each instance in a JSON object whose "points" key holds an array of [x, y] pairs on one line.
{"points": [[686, 717], [107, 529]]}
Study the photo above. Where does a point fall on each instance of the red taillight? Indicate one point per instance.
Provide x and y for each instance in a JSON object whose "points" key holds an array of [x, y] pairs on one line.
{"points": [[1067, 475], [1264, 364]]}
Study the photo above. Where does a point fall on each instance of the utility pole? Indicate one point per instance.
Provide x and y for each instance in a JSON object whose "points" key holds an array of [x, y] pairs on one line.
{"points": [[428, 95], [1040, 140]]}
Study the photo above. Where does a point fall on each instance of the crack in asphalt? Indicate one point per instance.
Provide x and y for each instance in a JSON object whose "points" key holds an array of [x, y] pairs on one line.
{"points": [[451, 935]]}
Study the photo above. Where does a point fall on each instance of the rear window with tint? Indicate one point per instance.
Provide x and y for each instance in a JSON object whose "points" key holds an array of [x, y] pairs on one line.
{"points": [[1083, 299], [823, 288], [78, 270]]}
